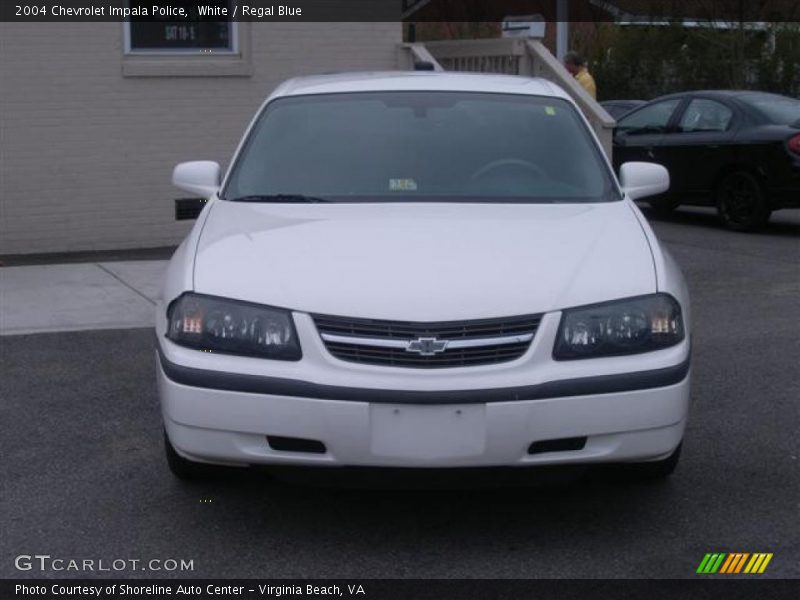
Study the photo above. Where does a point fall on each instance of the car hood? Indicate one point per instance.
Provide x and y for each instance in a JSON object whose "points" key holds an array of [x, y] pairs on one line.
{"points": [[423, 262]]}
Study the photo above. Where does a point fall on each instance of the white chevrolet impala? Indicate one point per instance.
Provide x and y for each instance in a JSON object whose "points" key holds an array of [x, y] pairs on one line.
{"points": [[422, 270]]}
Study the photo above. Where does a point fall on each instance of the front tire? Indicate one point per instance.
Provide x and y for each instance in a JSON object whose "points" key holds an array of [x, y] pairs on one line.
{"points": [[741, 202]]}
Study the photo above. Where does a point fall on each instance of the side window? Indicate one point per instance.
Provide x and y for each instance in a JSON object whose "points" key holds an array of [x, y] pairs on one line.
{"points": [[705, 115], [650, 119]]}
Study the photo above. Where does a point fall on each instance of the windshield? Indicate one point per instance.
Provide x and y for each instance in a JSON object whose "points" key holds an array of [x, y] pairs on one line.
{"points": [[780, 110], [420, 146]]}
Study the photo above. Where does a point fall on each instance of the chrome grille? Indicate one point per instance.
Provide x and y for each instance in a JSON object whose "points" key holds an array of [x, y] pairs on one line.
{"points": [[427, 345]]}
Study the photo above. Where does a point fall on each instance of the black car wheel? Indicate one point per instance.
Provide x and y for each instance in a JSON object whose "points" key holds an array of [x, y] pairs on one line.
{"points": [[741, 202]]}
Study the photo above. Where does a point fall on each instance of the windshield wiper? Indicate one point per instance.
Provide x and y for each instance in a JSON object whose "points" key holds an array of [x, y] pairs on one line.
{"points": [[299, 198]]}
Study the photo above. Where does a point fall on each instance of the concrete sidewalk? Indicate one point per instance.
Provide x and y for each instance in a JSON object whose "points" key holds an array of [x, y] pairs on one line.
{"points": [[79, 296]]}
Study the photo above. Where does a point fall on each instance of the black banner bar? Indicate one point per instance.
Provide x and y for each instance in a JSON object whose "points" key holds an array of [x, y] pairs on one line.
{"points": [[647, 11], [730, 588], [177, 10]]}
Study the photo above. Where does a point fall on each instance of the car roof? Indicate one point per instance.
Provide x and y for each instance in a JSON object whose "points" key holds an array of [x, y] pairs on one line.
{"points": [[380, 81], [717, 93], [604, 102]]}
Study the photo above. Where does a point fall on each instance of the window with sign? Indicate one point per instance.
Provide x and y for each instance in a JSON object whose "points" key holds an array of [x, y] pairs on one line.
{"points": [[196, 34]]}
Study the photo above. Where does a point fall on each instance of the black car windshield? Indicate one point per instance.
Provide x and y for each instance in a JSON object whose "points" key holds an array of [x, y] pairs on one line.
{"points": [[420, 146], [780, 110]]}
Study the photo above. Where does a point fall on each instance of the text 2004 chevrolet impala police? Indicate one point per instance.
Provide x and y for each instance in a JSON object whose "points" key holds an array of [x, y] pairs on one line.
{"points": [[422, 270]]}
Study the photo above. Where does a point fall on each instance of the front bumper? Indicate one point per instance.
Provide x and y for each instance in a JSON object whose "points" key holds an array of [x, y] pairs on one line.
{"points": [[230, 427]]}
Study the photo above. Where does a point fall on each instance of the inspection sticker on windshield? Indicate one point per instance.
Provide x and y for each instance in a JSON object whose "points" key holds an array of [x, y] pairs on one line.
{"points": [[402, 185], [550, 110]]}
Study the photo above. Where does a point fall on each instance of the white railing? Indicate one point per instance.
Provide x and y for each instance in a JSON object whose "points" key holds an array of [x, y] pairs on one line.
{"points": [[502, 55], [415, 54], [544, 64]]}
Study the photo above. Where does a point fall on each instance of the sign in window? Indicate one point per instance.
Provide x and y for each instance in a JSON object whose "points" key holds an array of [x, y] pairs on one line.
{"points": [[196, 34]]}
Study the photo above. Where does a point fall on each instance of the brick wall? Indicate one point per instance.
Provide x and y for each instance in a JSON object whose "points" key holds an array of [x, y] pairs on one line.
{"points": [[86, 151]]}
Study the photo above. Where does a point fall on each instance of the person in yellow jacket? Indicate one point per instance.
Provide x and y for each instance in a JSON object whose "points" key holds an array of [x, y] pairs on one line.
{"points": [[576, 65]]}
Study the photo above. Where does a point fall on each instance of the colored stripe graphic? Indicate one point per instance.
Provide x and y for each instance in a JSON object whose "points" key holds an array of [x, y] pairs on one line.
{"points": [[741, 562], [703, 563], [720, 562], [711, 563], [758, 563], [732, 560], [765, 563], [749, 566], [729, 564]]}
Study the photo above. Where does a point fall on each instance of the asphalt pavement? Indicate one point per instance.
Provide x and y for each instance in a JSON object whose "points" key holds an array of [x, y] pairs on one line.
{"points": [[83, 476]]}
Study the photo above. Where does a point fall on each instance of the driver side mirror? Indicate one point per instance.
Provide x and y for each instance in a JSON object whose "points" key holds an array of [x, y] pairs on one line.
{"points": [[201, 177], [643, 179]]}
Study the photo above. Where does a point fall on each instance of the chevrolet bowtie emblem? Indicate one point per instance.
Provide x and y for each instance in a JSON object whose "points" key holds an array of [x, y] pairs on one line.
{"points": [[426, 346]]}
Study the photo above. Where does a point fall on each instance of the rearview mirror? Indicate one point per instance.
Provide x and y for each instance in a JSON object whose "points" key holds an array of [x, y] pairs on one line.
{"points": [[643, 179], [199, 177]]}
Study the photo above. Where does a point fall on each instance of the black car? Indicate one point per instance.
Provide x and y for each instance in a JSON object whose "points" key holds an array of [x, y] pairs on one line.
{"points": [[736, 150], [619, 108]]}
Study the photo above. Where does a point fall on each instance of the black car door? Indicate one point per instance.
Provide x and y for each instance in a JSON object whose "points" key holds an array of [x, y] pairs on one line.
{"points": [[698, 145], [638, 134]]}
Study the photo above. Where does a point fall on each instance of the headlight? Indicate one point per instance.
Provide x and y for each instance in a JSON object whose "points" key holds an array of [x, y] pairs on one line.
{"points": [[220, 325], [620, 327]]}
